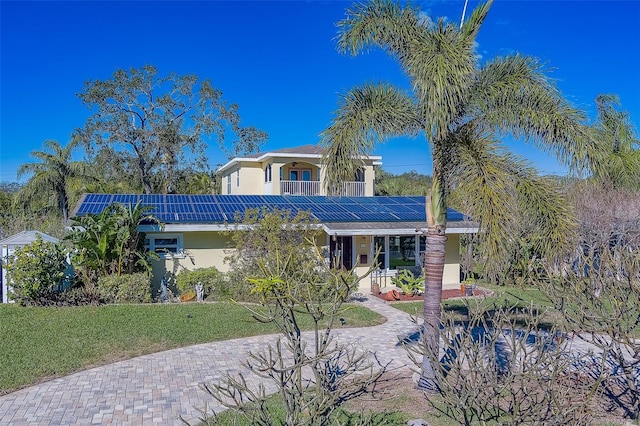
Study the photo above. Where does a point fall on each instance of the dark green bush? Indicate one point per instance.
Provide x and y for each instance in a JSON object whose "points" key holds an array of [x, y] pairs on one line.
{"points": [[36, 271], [128, 288], [209, 277]]}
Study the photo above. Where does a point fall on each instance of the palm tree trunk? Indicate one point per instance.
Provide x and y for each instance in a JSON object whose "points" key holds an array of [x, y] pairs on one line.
{"points": [[434, 269]]}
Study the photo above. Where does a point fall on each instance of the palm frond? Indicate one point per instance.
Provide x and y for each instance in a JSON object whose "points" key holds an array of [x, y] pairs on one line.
{"points": [[366, 115], [382, 23], [514, 97]]}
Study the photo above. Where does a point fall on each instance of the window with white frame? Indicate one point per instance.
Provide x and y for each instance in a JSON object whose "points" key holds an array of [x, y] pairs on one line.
{"points": [[238, 177], [165, 245], [267, 173], [229, 183]]}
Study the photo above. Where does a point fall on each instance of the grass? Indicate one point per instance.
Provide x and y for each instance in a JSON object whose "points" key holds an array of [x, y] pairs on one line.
{"points": [[517, 298], [342, 416], [43, 343]]}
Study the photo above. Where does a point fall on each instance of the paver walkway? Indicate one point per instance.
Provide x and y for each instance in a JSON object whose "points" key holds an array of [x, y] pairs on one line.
{"points": [[160, 387]]}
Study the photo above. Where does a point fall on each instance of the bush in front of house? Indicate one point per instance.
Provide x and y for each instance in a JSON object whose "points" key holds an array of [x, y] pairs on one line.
{"points": [[127, 288], [210, 279], [36, 271], [235, 286]]}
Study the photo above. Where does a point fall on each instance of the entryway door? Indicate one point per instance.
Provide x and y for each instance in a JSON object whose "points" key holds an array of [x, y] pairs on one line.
{"points": [[342, 252]]}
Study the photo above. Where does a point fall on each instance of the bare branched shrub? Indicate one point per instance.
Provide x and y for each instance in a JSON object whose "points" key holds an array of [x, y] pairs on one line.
{"points": [[309, 374], [599, 297], [598, 290], [501, 365]]}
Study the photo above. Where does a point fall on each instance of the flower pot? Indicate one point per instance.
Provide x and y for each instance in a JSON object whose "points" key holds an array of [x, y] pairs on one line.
{"points": [[375, 289], [188, 296], [391, 296]]}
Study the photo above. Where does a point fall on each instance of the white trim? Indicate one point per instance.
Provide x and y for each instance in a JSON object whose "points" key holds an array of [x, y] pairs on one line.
{"points": [[162, 235], [377, 159], [219, 227], [391, 231]]}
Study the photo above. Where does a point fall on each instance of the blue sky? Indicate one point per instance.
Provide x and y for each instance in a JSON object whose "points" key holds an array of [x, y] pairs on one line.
{"points": [[278, 61]]}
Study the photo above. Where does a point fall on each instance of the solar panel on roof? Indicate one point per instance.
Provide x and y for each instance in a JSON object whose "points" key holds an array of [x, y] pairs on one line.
{"points": [[126, 198], [202, 208], [152, 198], [335, 217], [227, 199], [411, 216], [376, 217]]}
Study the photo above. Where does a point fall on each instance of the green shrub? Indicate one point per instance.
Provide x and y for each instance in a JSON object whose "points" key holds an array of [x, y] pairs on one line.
{"points": [[36, 270], [235, 286], [128, 288], [209, 277]]}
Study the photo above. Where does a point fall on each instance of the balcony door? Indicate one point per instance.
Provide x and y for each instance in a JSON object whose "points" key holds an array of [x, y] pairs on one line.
{"points": [[300, 174]]}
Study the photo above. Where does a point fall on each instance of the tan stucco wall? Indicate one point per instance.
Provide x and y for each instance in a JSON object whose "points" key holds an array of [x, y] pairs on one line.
{"points": [[251, 180], [451, 277], [252, 175], [208, 249], [202, 250]]}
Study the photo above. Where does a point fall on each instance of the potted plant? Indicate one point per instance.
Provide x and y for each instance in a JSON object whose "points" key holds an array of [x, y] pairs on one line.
{"points": [[468, 286]]}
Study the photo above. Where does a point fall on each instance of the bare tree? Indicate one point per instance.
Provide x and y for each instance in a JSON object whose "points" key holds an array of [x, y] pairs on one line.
{"points": [[311, 375], [501, 365]]}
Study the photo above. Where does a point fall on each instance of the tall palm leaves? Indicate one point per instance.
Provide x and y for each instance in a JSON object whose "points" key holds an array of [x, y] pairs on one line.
{"points": [[461, 107], [615, 159], [52, 176]]}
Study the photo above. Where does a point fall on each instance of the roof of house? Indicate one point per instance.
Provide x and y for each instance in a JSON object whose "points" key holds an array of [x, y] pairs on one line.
{"points": [[26, 237], [339, 214], [304, 151]]}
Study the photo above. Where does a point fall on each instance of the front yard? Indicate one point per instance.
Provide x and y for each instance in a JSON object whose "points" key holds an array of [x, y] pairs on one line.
{"points": [[43, 343]]}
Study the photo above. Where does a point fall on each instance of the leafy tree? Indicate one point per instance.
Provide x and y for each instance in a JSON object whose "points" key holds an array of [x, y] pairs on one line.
{"points": [[155, 123], [109, 242], [615, 158], [52, 177], [410, 183], [461, 107], [36, 269]]}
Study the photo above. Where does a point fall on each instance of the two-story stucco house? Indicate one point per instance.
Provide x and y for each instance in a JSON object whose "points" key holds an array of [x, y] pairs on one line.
{"points": [[290, 171], [357, 225]]}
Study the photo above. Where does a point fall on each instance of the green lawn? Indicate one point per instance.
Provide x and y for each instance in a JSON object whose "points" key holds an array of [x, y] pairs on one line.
{"points": [[502, 296], [42, 343]]}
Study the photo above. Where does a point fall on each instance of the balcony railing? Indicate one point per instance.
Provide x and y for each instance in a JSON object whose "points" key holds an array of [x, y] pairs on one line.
{"points": [[298, 187]]}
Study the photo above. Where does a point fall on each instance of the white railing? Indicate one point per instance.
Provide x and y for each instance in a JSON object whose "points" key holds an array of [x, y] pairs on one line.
{"points": [[353, 189], [298, 187]]}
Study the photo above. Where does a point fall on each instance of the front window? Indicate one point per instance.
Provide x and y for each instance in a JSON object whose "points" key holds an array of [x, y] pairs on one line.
{"points": [[165, 245], [359, 177], [402, 251], [229, 183], [238, 177]]}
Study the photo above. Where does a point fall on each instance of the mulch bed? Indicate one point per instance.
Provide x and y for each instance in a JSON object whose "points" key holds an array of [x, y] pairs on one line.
{"points": [[446, 294]]}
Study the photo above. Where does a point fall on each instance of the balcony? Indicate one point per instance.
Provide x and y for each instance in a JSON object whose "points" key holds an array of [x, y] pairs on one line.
{"points": [[298, 187]]}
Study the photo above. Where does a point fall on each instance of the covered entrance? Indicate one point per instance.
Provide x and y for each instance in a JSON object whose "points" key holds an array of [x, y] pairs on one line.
{"points": [[341, 248]]}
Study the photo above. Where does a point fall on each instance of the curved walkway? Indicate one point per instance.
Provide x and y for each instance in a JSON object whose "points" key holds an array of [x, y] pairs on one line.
{"points": [[159, 388]]}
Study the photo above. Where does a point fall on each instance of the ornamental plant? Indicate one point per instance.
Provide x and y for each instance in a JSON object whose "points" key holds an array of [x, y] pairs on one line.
{"points": [[36, 270]]}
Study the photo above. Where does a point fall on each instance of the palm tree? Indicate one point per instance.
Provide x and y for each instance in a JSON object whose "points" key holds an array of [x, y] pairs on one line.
{"points": [[54, 172], [461, 107], [615, 161]]}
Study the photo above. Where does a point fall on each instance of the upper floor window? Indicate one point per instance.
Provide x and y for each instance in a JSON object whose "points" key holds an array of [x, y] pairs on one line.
{"points": [[359, 177], [267, 173], [238, 177], [229, 183]]}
